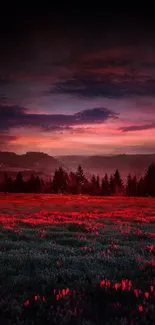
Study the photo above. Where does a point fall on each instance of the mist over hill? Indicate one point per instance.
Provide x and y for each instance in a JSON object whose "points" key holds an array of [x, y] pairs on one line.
{"points": [[45, 164], [32, 162], [134, 164]]}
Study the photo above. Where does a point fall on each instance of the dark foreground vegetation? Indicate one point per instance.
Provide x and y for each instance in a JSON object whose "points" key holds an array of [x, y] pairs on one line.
{"points": [[77, 266], [77, 183]]}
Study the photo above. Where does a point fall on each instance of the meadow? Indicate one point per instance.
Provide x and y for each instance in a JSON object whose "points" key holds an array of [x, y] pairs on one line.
{"points": [[77, 260]]}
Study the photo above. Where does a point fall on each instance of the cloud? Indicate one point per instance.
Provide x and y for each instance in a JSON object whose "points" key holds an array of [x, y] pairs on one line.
{"points": [[111, 85], [6, 138], [95, 115], [114, 72], [138, 127], [10, 115], [55, 128], [16, 116]]}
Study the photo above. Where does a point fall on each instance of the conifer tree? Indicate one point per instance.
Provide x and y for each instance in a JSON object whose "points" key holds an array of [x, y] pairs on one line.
{"points": [[129, 185], [19, 183], [60, 181], [118, 183], [111, 185], [149, 179], [105, 186], [80, 178]]}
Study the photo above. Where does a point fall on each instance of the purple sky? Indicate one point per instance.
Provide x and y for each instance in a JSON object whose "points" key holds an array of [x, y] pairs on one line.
{"points": [[74, 83]]}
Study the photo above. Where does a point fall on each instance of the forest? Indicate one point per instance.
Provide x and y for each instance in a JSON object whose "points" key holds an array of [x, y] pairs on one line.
{"points": [[77, 183]]}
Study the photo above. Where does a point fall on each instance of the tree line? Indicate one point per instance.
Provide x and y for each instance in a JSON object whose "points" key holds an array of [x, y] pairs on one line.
{"points": [[77, 183]]}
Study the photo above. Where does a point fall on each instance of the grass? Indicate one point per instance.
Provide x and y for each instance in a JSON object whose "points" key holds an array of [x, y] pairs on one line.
{"points": [[92, 261]]}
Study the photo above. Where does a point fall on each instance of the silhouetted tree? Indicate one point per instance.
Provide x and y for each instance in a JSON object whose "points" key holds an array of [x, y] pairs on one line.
{"points": [[98, 188], [134, 186], [85, 187], [80, 178], [149, 180], [19, 183], [92, 187], [76, 182], [46, 187], [93, 180], [72, 184], [7, 184], [129, 185], [60, 181], [42, 185], [118, 183], [31, 186], [112, 185], [37, 185], [105, 186], [141, 187]]}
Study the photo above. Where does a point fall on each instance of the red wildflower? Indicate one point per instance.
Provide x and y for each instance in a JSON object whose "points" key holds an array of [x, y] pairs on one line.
{"points": [[117, 286], [147, 295], [26, 303], [140, 308], [102, 283], [67, 291], [136, 292], [151, 288], [36, 297]]}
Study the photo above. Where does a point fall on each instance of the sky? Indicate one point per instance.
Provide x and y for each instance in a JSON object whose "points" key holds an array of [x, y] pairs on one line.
{"points": [[77, 81]]}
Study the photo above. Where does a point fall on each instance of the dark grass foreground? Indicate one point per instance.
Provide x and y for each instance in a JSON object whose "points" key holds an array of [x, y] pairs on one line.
{"points": [[77, 260]]}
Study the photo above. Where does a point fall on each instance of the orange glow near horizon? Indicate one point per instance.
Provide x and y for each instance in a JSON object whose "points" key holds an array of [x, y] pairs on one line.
{"points": [[81, 139]]}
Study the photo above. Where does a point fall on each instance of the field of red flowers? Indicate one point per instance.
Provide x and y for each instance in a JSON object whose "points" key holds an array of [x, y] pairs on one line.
{"points": [[77, 260]]}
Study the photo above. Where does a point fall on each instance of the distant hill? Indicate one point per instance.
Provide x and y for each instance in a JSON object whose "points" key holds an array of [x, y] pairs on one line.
{"points": [[100, 164], [30, 160], [45, 164], [72, 161], [119, 161]]}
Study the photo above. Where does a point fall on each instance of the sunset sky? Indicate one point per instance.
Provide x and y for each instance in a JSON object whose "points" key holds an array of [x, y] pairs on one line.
{"points": [[77, 81]]}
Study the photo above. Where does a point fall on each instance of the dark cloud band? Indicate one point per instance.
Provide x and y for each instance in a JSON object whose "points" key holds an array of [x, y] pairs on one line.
{"points": [[138, 127], [16, 116]]}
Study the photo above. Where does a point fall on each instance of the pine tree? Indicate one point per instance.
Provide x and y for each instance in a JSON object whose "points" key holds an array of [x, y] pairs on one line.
{"points": [[112, 185], [129, 185], [9, 185], [60, 181], [95, 188], [118, 183], [93, 180], [5, 183], [134, 186], [80, 174], [141, 188], [93, 185], [31, 184], [37, 185], [149, 179], [80, 178], [19, 183], [72, 186], [98, 188], [55, 182], [105, 186]]}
